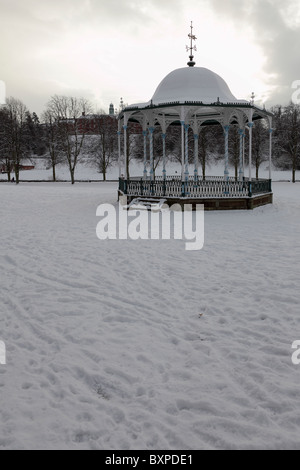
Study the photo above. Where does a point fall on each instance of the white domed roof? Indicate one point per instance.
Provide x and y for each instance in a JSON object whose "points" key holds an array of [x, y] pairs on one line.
{"points": [[193, 84]]}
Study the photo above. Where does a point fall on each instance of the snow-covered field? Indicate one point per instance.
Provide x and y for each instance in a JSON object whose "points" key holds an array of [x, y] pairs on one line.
{"points": [[86, 171], [140, 344]]}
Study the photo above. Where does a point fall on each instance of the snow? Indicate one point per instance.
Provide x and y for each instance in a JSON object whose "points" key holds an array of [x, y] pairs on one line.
{"points": [[122, 344], [86, 171], [192, 84]]}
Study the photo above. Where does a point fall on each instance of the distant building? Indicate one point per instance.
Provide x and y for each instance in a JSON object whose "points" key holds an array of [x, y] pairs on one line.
{"points": [[25, 165], [93, 123], [111, 110]]}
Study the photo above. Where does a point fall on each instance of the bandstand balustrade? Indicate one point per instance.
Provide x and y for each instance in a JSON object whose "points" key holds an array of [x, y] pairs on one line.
{"points": [[208, 187]]}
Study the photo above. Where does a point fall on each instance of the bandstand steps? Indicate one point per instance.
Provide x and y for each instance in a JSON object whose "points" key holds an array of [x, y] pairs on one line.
{"points": [[146, 203]]}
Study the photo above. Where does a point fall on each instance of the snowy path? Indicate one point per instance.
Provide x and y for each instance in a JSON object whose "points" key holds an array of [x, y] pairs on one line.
{"points": [[141, 344]]}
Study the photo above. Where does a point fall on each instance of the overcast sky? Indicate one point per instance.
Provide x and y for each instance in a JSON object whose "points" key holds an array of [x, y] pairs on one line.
{"points": [[108, 49]]}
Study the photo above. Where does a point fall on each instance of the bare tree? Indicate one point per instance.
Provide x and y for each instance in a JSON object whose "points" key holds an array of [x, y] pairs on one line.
{"points": [[259, 144], [211, 145], [5, 157], [157, 149], [173, 143], [51, 137], [104, 144], [16, 133], [69, 112], [234, 148], [133, 144], [287, 135], [36, 143], [210, 141], [203, 149]]}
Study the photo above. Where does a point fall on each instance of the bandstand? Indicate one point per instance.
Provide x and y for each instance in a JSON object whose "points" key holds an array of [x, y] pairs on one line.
{"points": [[194, 97]]}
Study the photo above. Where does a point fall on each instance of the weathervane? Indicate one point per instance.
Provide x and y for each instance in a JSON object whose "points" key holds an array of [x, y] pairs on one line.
{"points": [[191, 48]]}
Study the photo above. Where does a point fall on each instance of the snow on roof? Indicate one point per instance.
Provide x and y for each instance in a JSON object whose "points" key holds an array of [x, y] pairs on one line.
{"points": [[192, 84]]}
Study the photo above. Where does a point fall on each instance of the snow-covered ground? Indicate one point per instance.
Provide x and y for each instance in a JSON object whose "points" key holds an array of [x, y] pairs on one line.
{"points": [[141, 344], [85, 171]]}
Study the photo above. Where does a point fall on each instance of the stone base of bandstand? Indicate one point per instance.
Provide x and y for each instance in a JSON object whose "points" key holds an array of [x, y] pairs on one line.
{"points": [[210, 203]]}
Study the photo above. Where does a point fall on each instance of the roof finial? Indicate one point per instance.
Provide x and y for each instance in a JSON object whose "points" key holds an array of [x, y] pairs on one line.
{"points": [[191, 48]]}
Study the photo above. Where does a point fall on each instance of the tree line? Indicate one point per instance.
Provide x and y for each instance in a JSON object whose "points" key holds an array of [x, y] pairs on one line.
{"points": [[69, 129], [59, 135]]}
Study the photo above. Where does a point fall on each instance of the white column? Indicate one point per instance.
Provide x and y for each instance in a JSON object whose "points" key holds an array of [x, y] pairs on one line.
{"points": [[270, 154], [241, 169], [164, 156], [119, 151], [250, 125], [125, 152], [196, 155], [145, 154], [186, 172], [151, 130], [244, 135], [182, 150], [226, 171]]}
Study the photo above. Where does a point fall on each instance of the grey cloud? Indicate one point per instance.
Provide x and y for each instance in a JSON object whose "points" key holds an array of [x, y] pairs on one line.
{"points": [[270, 21], [30, 27]]}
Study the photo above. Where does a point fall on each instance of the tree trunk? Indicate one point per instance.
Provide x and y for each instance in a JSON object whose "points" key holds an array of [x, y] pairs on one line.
{"points": [[17, 173], [72, 172], [53, 172]]}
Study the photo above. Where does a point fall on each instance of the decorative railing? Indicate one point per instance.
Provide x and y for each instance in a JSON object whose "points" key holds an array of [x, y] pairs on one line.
{"points": [[167, 104], [259, 186], [210, 187]]}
